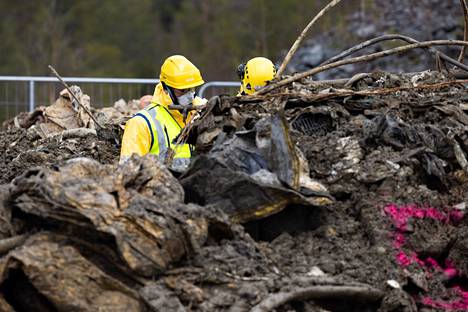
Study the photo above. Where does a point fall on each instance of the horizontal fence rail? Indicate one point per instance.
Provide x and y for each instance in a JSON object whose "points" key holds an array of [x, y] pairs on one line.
{"points": [[218, 84], [25, 93]]}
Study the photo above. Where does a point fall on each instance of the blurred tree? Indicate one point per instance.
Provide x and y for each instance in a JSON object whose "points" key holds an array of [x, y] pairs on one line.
{"points": [[131, 38], [33, 33]]}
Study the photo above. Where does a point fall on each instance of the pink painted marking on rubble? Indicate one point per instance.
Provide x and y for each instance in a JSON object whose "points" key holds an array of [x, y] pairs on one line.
{"points": [[455, 305], [456, 215], [450, 271], [403, 259], [398, 240], [432, 263], [416, 259], [400, 217]]}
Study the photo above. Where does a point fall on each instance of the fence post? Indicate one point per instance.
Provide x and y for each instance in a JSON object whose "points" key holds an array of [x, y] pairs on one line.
{"points": [[31, 96]]}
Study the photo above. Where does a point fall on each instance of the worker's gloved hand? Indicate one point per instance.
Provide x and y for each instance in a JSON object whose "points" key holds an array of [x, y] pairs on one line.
{"points": [[198, 101]]}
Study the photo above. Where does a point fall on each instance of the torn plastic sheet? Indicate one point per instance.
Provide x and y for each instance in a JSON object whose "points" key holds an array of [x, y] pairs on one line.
{"points": [[253, 175]]}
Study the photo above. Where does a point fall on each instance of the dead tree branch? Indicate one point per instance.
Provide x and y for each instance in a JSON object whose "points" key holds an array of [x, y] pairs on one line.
{"points": [[373, 41], [465, 33], [360, 59], [298, 41], [347, 92], [75, 133], [319, 292]]}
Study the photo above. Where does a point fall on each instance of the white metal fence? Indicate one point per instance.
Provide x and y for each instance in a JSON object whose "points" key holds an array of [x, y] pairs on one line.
{"points": [[25, 93]]}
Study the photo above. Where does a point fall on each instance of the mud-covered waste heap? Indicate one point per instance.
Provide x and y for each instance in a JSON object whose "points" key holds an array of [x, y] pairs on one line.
{"points": [[63, 130], [314, 197]]}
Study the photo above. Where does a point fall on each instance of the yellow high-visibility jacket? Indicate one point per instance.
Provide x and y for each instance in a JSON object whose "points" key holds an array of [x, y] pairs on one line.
{"points": [[154, 130]]}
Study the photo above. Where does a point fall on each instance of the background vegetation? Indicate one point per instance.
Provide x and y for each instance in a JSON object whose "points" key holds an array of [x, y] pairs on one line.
{"points": [[131, 38]]}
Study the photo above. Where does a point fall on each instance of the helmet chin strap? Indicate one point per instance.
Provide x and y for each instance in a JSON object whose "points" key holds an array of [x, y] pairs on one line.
{"points": [[171, 93]]}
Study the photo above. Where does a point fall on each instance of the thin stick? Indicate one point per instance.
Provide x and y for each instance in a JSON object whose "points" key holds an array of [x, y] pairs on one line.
{"points": [[319, 292], [376, 92], [181, 139], [373, 41], [465, 33], [184, 133], [56, 74], [345, 93], [75, 133], [359, 59], [299, 39]]}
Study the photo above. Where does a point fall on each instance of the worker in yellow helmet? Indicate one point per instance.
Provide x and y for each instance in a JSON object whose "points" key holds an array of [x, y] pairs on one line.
{"points": [[255, 74], [155, 128]]}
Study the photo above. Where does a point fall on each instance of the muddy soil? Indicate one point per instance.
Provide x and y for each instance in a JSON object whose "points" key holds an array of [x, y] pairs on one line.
{"points": [[394, 238], [372, 153], [23, 150]]}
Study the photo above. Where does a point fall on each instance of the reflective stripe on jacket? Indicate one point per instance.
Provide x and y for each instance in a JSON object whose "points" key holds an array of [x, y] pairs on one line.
{"points": [[154, 130]]}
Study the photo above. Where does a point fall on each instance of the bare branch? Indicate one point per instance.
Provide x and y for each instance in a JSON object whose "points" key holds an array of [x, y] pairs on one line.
{"points": [[318, 292], [56, 74], [376, 92], [346, 92], [360, 59], [299, 39], [465, 33], [75, 133], [373, 41]]}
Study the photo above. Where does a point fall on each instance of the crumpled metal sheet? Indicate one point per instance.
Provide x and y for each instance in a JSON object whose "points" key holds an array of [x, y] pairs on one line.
{"points": [[64, 280], [139, 203]]}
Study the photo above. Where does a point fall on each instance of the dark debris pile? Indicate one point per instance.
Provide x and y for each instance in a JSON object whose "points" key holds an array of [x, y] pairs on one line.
{"points": [[311, 198]]}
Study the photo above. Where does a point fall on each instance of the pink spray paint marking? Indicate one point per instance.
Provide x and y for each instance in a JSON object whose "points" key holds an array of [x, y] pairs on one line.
{"points": [[460, 304], [400, 217]]}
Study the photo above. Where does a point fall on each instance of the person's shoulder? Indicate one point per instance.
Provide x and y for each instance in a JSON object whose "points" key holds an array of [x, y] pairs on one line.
{"points": [[137, 119]]}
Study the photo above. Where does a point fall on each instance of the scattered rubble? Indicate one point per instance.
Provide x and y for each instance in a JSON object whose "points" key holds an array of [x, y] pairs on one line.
{"points": [[343, 196], [51, 135]]}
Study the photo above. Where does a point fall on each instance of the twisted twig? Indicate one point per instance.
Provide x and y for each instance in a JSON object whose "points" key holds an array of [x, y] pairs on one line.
{"points": [[373, 41], [319, 292]]}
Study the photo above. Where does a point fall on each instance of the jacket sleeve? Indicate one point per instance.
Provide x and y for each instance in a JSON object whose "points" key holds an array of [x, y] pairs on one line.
{"points": [[136, 138]]}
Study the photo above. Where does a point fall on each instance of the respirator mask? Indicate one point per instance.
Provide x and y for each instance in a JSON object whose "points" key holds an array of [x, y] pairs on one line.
{"points": [[186, 99]]}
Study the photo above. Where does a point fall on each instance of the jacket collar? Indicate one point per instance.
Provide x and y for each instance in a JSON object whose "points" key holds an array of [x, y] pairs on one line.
{"points": [[162, 98]]}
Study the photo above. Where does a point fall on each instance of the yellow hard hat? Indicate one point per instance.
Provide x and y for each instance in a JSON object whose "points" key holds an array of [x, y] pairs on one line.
{"points": [[256, 73], [179, 73]]}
